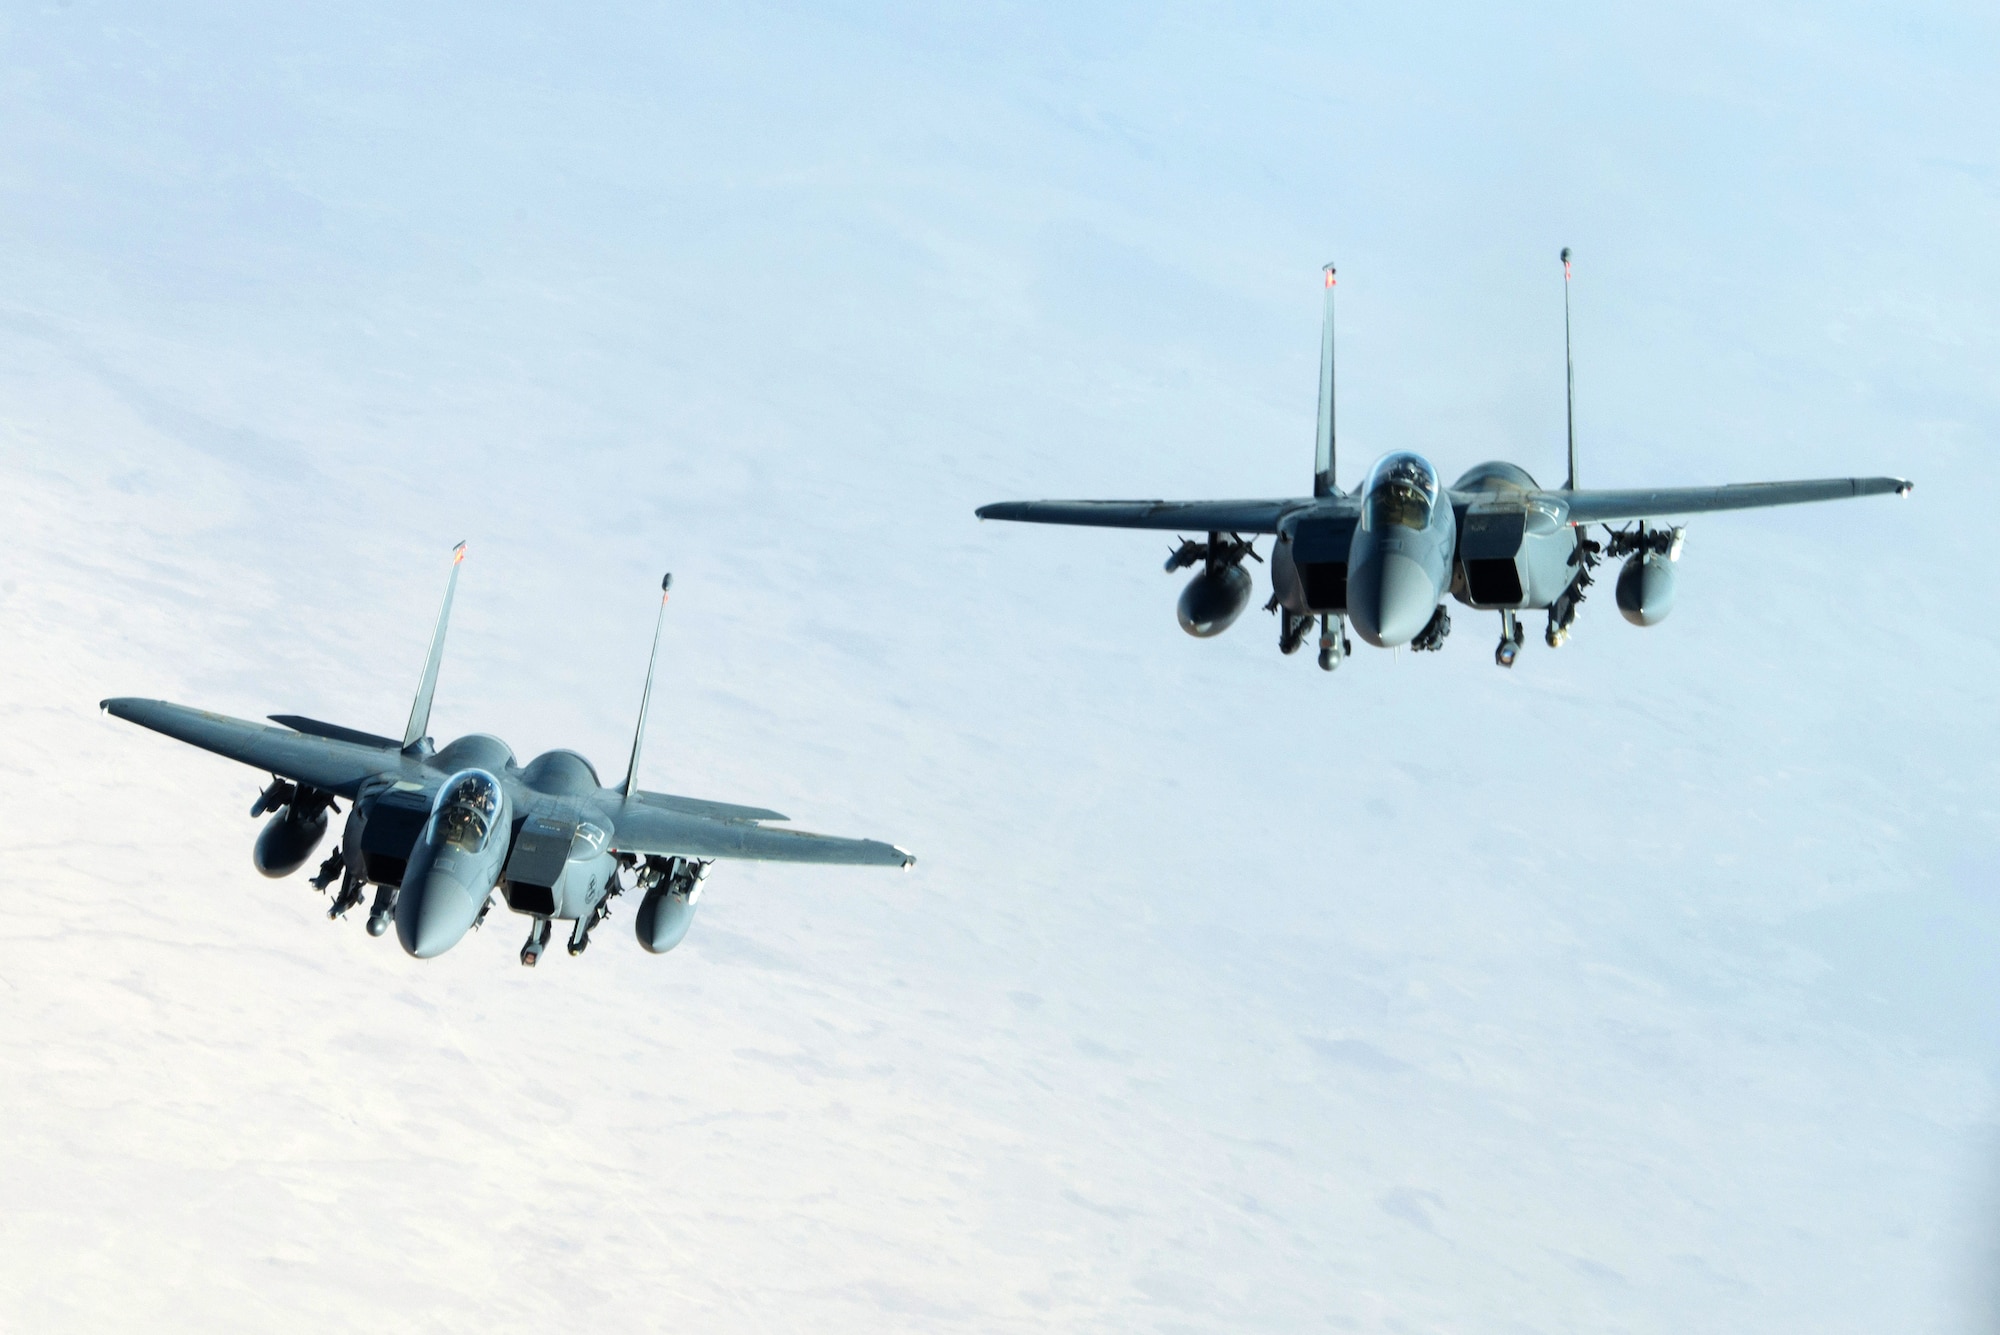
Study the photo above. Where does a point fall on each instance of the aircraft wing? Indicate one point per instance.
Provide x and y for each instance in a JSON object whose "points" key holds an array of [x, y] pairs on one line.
{"points": [[700, 806], [1599, 507], [1182, 516], [643, 828], [334, 764]]}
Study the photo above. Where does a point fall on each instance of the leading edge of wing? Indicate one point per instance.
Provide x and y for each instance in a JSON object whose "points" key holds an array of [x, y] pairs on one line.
{"points": [[324, 762], [646, 829], [701, 806], [1599, 507], [1215, 516]]}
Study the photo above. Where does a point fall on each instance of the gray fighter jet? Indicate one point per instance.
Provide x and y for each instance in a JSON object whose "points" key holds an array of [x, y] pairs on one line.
{"points": [[1384, 556], [442, 832]]}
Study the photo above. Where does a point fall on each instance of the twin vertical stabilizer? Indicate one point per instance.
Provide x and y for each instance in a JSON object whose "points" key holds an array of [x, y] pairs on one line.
{"points": [[1323, 484], [1569, 375], [420, 711], [1323, 441], [646, 697]]}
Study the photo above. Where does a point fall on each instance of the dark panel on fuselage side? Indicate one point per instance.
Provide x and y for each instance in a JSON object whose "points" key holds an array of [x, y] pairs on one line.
{"points": [[539, 900], [535, 868], [1494, 582], [541, 850], [1325, 583], [1489, 550], [1491, 534], [1323, 539], [1320, 548], [381, 869], [391, 828]]}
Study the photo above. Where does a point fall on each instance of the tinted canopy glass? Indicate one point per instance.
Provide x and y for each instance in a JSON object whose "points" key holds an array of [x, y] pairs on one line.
{"points": [[1402, 491], [466, 811]]}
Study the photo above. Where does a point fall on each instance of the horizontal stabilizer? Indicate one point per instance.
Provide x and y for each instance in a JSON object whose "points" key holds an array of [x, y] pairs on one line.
{"points": [[314, 728], [1170, 516]]}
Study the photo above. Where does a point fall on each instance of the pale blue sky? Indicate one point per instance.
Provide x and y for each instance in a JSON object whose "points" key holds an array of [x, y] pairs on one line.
{"points": [[1650, 987]]}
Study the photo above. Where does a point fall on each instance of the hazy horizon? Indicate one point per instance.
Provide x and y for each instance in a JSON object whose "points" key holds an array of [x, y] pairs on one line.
{"points": [[1650, 986]]}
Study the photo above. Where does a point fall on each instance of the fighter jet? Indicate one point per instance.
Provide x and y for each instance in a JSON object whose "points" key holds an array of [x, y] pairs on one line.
{"points": [[1383, 557], [444, 832]]}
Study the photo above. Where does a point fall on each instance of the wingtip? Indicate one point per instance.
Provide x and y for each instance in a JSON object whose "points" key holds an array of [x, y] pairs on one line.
{"points": [[1904, 486], [909, 858]]}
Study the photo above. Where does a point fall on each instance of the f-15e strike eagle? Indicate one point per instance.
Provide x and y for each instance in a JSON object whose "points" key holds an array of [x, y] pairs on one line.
{"points": [[1385, 556], [442, 832]]}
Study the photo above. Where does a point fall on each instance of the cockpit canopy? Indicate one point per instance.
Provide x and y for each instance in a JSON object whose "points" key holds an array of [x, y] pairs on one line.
{"points": [[1402, 491], [466, 811]]}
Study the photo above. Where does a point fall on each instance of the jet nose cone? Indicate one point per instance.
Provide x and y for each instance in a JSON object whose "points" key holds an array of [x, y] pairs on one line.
{"points": [[431, 917], [1391, 599]]}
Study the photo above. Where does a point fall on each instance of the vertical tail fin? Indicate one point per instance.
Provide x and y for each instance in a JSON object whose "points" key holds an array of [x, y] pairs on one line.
{"points": [[1323, 484], [1569, 375], [646, 697], [420, 711]]}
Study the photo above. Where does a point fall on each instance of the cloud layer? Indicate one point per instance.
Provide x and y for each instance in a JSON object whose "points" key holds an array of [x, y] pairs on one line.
{"points": [[1647, 987]]}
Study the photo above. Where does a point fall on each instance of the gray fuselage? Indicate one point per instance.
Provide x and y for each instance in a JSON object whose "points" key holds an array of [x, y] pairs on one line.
{"points": [[543, 844], [1492, 540]]}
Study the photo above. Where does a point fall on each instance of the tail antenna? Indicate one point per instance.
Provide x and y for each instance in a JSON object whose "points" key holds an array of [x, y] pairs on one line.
{"points": [[420, 710], [1569, 374], [626, 788], [1323, 460]]}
